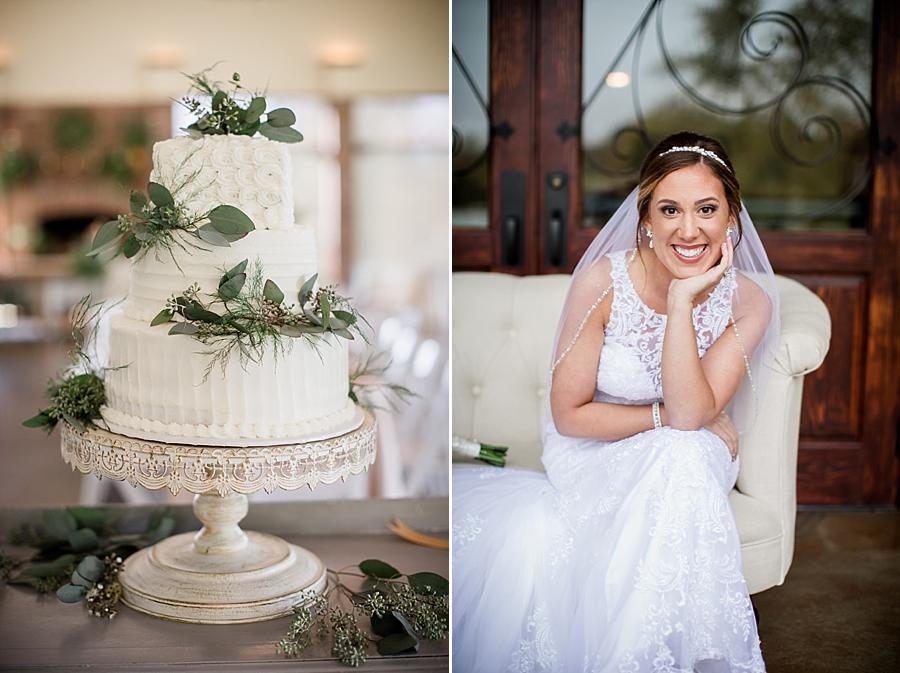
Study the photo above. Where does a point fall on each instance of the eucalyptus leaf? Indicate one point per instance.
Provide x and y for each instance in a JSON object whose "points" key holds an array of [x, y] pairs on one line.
{"points": [[138, 202], [429, 583], [183, 328], [232, 272], [41, 420], [210, 235], [217, 100], [280, 134], [80, 581], [201, 314], [335, 324], [256, 108], [83, 539], [272, 292], [58, 523], [312, 317], [344, 316], [389, 623], [91, 568], [162, 317], [300, 330], [140, 231], [55, 568], [325, 305], [106, 233], [193, 132], [379, 569], [345, 333], [230, 220], [131, 247], [232, 287], [307, 288], [280, 117], [160, 195], [70, 593], [91, 517], [397, 643]]}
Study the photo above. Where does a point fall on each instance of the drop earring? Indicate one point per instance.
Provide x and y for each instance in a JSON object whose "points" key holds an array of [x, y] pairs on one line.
{"points": [[650, 237]]}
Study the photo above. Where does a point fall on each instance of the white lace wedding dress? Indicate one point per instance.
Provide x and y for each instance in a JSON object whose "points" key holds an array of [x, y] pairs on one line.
{"points": [[624, 557]]}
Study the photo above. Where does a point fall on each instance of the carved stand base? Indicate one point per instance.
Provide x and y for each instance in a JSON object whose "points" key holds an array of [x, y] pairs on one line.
{"points": [[221, 575]]}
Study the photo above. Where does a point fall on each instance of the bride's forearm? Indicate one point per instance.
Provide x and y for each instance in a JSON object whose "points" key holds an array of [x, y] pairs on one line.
{"points": [[689, 399], [608, 421]]}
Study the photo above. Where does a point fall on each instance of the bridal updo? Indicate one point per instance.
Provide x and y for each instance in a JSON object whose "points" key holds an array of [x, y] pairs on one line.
{"points": [[671, 154]]}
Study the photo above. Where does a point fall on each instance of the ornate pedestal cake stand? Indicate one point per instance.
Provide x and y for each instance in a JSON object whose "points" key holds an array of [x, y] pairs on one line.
{"points": [[220, 575]]}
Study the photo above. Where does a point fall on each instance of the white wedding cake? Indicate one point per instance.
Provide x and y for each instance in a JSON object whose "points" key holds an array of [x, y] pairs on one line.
{"points": [[159, 385]]}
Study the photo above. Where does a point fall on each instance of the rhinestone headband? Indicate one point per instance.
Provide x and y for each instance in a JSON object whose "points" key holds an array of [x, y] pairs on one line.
{"points": [[697, 150]]}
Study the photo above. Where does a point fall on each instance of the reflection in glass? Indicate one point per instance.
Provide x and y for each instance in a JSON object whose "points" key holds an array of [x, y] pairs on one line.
{"points": [[471, 125], [784, 84]]}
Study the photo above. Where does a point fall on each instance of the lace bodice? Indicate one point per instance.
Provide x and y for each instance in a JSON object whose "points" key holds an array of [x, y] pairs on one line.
{"points": [[630, 361]]}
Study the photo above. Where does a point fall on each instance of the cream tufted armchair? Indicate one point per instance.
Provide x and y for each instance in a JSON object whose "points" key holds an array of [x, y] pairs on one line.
{"points": [[503, 329]]}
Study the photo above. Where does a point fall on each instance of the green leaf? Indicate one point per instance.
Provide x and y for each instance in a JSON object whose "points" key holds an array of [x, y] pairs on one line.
{"points": [[300, 330], [163, 529], [232, 272], [217, 100], [279, 134], [379, 569], [345, 333], [307, 288], [397, 643], [55, 568], [162, 317], [183, 328], [256, 108], [140, 231], [131, 247], [107, 233], [201, 314], [325, 305], [70, 593], [210, 235], [138, 202], [232, 287], [272, 292], [80, 581], [90, 568], [429, 583], [390, 622], [160, 195], [280, 117], [312, 317], [41, 420], [58, 523], [90, 517], [345, 317], [230, 220], [83, 539]]}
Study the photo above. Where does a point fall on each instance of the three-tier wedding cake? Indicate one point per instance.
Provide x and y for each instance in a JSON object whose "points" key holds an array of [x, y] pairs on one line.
{"points": [[160, 386]]}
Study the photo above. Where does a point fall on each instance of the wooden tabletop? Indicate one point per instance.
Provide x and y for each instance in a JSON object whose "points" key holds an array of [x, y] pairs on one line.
{"points": [[38, 633]]}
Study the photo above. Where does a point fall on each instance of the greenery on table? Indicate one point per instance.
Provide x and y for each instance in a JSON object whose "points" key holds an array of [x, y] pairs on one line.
{"points": [[79, 555], [158, 222], [247, 313], [399, 610], [79, 393], [235, 111]]}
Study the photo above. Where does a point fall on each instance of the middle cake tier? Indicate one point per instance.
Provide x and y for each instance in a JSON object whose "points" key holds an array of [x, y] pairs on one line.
{"points": [[288, 255], [160, 387]]}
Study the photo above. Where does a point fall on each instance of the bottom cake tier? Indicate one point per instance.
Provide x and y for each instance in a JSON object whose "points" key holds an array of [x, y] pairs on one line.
{"points": [[158, 388]]}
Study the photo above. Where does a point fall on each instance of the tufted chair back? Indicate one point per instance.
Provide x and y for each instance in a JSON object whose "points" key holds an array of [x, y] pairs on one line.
{"points": [[503, 328]]}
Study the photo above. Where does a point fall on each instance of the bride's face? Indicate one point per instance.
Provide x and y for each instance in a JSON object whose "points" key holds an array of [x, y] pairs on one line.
{"points": [[688, 217]]}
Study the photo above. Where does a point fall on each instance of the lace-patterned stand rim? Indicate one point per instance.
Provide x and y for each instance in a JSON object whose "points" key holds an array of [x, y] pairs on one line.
{"points": [[221, 574]]}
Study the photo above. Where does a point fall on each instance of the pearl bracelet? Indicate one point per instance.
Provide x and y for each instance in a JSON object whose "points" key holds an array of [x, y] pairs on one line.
{"points": [[657, 419]]}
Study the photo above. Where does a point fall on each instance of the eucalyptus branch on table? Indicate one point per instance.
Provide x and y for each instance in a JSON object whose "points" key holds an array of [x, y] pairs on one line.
{"points": [[245, 317], [400, 609], [367, 383], [79, 393], [236, 112], [79, 555], [158, 222]]}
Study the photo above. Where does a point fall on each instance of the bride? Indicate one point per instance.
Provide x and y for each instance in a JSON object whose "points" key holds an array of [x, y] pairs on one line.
{"points": [[625, 557]]}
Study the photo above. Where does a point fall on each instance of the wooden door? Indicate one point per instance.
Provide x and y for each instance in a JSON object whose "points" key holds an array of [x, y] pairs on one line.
{"points": [[576, 98]]}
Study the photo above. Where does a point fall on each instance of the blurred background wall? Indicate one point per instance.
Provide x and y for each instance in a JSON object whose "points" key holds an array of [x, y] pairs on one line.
{"points": [[86, 88]]}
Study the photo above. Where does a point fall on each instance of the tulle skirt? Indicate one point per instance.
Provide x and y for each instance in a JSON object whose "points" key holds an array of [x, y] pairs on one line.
{"points": [[623, 557]]}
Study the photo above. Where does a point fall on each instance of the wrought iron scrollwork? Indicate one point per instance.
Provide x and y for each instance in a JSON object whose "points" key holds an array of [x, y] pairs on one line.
{"points": [[459, 141]]}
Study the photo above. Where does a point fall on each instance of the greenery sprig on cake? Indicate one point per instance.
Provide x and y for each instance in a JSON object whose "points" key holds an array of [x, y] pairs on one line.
{"points": [[80, 392], [235, 110], [157, 221], [247, 313]]}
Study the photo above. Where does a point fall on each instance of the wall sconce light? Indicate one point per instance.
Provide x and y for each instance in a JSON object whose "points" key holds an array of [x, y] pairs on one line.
{"points": [[340, 54]]}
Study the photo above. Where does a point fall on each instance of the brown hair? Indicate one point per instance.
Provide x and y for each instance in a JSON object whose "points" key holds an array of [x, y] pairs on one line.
{"points": [[656, 167]]}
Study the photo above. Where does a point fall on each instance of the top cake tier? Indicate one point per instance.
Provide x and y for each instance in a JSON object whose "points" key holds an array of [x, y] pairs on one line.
{"points": [[250, 173]]}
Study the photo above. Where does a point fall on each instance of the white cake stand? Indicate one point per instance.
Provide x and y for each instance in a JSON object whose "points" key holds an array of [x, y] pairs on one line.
{"points": [[220, 575]]}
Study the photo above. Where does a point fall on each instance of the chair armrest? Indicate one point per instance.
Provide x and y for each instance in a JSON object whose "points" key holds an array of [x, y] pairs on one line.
{"points": [[805, 329]]}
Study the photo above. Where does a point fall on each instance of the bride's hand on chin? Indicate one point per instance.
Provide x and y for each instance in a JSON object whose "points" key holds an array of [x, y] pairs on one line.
{"points": [[687, 289]]}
